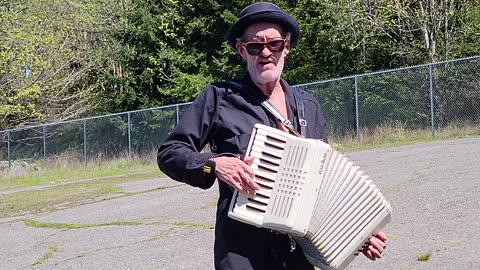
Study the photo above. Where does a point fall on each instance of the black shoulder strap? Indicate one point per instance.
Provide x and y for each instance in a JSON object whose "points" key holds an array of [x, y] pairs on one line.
{"points": [[274, 112]]}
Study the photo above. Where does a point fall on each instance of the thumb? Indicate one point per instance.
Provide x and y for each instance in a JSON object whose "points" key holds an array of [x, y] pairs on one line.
{"points": [[249, 159]]}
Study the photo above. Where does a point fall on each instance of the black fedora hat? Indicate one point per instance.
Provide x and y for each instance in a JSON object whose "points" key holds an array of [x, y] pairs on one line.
{"points": [[262, 12]]}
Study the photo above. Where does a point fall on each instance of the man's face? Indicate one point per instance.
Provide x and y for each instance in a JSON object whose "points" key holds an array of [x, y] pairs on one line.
{"points": [[266, 67]]}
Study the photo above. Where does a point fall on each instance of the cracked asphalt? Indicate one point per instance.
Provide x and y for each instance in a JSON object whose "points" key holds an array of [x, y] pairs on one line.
{"points": [[433, 189]]}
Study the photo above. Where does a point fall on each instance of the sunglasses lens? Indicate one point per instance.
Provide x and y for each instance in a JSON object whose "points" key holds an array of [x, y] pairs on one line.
{"points": [[255, 48], [276, 45]]}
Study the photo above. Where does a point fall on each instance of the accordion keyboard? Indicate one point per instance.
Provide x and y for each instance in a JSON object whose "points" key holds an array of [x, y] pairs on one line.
{"points": [[267, 150]]}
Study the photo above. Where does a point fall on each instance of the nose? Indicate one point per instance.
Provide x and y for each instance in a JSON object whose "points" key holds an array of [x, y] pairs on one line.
{"points": [[266, 51]]}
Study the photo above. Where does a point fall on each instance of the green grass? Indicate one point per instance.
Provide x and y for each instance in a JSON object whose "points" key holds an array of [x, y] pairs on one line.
{"points": [[187, 224], [193, 224], [54, 225], [424, 257], [63, 196], [61, 173], [51, 251]]}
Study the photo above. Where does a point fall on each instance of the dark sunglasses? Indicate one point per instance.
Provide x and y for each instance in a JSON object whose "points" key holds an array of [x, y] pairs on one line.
{"points": [[255, 48]]}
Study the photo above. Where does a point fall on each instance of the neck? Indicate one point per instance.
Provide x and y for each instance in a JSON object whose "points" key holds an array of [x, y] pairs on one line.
{"points": [[270, 89]]}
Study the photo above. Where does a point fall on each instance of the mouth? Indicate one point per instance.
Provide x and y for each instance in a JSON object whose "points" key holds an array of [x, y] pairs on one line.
{"points": [[266, 62]]}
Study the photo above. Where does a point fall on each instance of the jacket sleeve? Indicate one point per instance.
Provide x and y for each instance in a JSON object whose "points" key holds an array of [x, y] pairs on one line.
{"points": [[180, 155]]}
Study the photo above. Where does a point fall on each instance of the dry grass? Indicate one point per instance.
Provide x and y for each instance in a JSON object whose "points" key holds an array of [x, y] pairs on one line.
{"points": [[397, 134]]}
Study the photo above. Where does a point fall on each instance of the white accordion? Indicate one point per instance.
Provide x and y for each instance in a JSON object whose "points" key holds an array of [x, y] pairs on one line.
{"points": [[313, 193]]}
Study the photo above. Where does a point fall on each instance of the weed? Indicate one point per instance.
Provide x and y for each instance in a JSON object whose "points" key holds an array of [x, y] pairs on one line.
{"points": [[54, 225], [424, 257], [47, 255]]}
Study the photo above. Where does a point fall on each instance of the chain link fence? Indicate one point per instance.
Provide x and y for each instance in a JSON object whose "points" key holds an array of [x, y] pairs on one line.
{"points": [[429, 96], [107, 137]]}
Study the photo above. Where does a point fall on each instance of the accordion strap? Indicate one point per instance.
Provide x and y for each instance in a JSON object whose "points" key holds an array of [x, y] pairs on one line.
{"points": [[300, 109], [275, 113]]}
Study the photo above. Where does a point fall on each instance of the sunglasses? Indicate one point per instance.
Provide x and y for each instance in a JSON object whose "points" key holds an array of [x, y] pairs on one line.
{"points": [[255, 48]]}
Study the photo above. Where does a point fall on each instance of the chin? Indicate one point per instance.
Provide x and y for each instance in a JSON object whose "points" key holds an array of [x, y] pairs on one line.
{"points": [[267, 77]]}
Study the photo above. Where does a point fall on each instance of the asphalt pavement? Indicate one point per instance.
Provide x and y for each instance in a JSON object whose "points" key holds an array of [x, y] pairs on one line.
{"points": [[433, 189]]}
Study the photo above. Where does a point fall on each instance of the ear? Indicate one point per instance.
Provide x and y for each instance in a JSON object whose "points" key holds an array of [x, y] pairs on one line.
{"points": [[286, 50], [241, 50]]}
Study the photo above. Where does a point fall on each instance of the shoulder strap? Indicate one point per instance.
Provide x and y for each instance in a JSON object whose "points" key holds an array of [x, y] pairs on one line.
{"points": [[270, 108], [300, 109]]}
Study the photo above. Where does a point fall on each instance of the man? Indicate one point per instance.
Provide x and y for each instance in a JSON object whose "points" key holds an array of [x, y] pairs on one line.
{"points": [[223, 115]]}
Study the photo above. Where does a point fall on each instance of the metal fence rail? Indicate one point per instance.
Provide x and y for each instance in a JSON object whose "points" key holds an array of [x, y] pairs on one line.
{"points": [[431, 96]]}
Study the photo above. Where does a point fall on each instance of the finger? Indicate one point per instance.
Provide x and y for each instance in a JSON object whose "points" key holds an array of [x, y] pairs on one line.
{"points": [[247, 176], [377, 247], [249, 160], [236, 185], [249, 171], [382, 236], [377, 243], [233, 180], [368, 254], [375, 253], [249, 185], [246, 166]]}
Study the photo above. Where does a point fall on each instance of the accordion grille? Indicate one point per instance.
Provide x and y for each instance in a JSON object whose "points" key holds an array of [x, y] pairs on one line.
{"points": [[291, 182]]}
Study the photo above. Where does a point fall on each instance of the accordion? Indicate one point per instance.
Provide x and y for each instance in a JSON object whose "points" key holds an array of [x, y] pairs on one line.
{"points": [[313, 193]]}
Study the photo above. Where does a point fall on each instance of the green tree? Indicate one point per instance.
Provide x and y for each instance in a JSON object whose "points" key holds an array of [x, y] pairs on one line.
{"points": [[47, 51], [170, 50], [65, 59]]}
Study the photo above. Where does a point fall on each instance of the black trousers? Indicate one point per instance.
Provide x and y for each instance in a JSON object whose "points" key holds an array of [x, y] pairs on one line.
{"points": [[245, 247]]}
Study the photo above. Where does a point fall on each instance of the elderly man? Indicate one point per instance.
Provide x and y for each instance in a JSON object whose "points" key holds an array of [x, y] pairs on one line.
{"points": [[223, 115]]}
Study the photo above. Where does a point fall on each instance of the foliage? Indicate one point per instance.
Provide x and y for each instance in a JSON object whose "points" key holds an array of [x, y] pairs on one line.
{"points": [[64, 59], [47, 50], [165, 45]]}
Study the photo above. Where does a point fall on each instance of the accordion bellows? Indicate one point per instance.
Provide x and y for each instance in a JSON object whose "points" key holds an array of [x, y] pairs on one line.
{"points": [[312, 192]]}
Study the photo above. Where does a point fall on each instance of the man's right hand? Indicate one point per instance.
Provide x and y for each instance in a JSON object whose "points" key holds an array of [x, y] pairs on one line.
{"points": [[236, 172]]}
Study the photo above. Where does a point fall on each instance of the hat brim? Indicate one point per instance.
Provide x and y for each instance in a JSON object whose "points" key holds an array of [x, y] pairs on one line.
{"points": [[280, 17]]}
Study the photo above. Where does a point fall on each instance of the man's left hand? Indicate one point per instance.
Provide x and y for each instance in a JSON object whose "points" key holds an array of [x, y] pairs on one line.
{"points": [[375, 246]]}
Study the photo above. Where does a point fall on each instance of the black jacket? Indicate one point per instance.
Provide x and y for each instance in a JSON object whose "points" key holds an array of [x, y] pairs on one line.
{"points": [[224, 117]]}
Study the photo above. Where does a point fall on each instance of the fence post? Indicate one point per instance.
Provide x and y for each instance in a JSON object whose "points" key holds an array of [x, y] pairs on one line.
{"points": [[432, 109], [357, 119], [129, 135], [44, 135], [85, 141], [8, 151], [178, 114]]}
